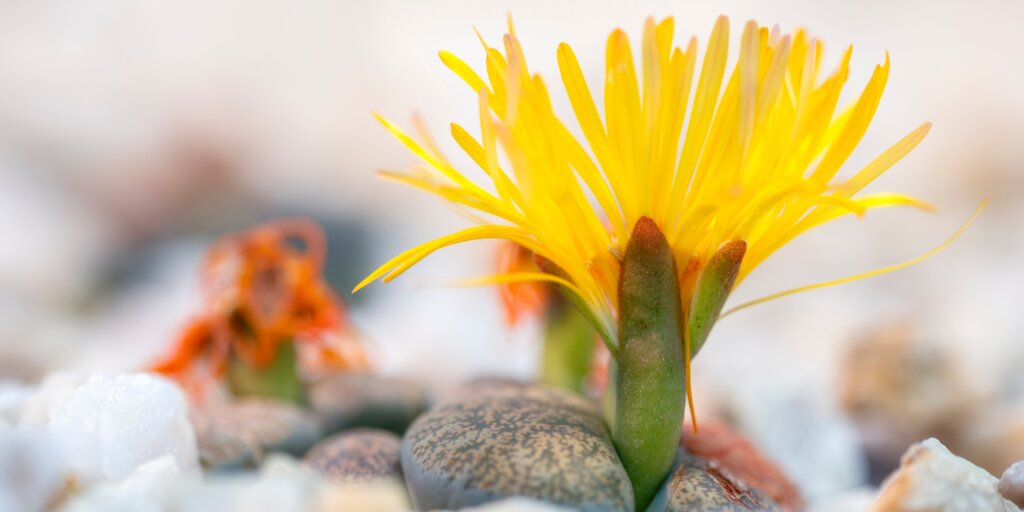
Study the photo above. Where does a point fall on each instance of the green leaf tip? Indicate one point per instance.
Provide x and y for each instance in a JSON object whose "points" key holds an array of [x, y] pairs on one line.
{"points": [[712, 290], [648, 283]]}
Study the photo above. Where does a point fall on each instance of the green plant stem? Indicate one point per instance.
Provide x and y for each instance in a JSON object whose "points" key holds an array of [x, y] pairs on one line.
{"points": [[568, 348], [650, 394], [280, 380]]}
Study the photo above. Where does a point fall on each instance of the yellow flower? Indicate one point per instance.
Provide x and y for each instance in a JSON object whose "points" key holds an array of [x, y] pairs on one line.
{"points": [[712, 157]]}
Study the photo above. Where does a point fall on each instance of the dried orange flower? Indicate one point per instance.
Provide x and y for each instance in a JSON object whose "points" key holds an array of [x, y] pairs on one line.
{"points": [[263, 289]]}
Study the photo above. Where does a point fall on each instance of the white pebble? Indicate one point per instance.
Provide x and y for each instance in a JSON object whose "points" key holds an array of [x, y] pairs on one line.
{"points": [[112, 424], [1011, 485], [31, 473], [147, 489], [13, 396], [518, 505], [932, 479], [57, 388]]}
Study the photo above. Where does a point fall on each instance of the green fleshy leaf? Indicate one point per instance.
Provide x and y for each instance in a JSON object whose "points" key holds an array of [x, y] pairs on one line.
{"points": [[713, 287], [648, 384]]}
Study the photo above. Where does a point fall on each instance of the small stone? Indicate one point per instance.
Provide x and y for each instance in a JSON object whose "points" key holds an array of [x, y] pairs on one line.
{"points": [[347, 401], [993, 438], [1011, 485], [857, 499], [697, 485], [931, 479], [357, 455], [716, 442], [111, 424], [31, 473], [239, 434], [280, 484], [146, 488], [899, 388], [518, 505], [13, 396], [498, 441], [816, 446], [52, 392], [376, 496]]}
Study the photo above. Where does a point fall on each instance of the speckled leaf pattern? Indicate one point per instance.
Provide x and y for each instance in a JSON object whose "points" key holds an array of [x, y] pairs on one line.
{"points": [[497, 440], [357, 455], [697, 485]]}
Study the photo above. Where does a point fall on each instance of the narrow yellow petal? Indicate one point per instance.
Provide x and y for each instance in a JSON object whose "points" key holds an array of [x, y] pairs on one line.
{"points": [[748, 70], [427, 157], [864, 275], [403, 261], [855, 126], [704, 102], [886, 160], [463, 71]]}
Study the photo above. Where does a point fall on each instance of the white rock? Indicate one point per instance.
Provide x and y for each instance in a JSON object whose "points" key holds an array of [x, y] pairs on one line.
{"points": [[328, 496], [1011, 484], [931, 479], [55, 389], [518, 505], [13, 396], [31, 473], [857, 499], [282, 484], [112, 424], [148, 488], [379, 496], [815, 445]]}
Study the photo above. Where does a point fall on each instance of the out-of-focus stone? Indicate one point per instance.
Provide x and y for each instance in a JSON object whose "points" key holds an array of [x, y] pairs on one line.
{"points": [[147, 488], [235, 435], [899, 389], [799, 429], [474, 387], [857, 499], [357, 455], [371, 496], [497, 441], [696, 484], [931, 479], [518, 505], [13, 396], [994, 437], [112, 424], [282, 484], [1011, 485], [31, 472], [52, 392], [721, 445], [361, 400]]}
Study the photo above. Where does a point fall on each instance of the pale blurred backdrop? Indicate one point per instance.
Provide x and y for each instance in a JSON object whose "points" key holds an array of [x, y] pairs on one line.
{"points": [[133, 133]]}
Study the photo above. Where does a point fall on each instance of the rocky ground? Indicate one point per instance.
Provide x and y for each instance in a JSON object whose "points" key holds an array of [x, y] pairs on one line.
{"points": [[133, 442]]}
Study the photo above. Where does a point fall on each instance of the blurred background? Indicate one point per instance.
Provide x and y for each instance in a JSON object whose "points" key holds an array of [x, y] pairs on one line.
{"points": [[134, 133]]}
